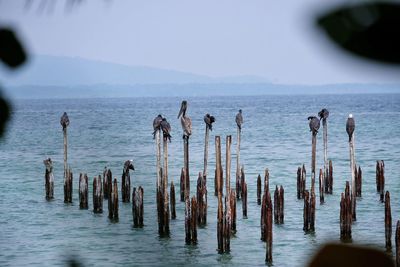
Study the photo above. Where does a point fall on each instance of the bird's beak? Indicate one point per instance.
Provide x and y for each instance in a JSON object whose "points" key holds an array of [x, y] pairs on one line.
{"points": [[181, 110]]}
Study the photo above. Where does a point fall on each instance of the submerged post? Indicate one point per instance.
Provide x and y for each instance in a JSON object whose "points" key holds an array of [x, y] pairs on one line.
{"points": [[201, 200], [345, 214], [137, 207], [172, 196], [244, 193], [350, 127], [49, 179], [126, 181], [68, 186], [113, 202]]}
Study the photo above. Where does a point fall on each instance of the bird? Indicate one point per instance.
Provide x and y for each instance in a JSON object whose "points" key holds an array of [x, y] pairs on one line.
{"points": [[166, 128], [350, 125], [209, 120], [239, 119], [186, 122], [314, 124], [323, 114], [157, 124], [128, 165], [64, 121]]}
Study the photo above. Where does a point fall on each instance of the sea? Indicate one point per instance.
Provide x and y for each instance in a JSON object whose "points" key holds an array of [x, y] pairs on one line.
{"points": [[105, 132]]}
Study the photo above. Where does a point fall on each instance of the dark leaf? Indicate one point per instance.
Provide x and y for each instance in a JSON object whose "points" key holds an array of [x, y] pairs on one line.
{"points": [[11, 51], [370, 30]]}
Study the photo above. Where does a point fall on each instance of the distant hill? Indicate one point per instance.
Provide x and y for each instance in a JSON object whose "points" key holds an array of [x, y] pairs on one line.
{"points": [[68, 71]]}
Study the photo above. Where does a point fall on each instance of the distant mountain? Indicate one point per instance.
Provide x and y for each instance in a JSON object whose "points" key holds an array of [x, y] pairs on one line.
{"points": [[68, 71]]}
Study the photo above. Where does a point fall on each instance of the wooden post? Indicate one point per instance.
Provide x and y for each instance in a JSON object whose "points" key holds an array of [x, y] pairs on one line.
{"points": [[313, 161], [190, 221], [182, 185], [353, 178], [206, 138], [279, 205], [186, 165], [165, 211], [105, 183], [266, 180], [306, 212], [259, 190], [301, 182], [345, 214], [388, 222], [97, 195], [233, 211], [172, 196], [158, 156], [244, 193], [238, 173], [312, 212], [380, 178], [268, 226], [49, 179], [299, 195], [321, 187], [397, 240], [325, 177], [113, 202], [220, 225], [65, 135], [227, 223], [218, 168], [83, 191], [126, 182], [109, 184], [137, 207], [228, 164], [330, 178], [68, 186], [303, 179], [201, 200], [358, 176]]}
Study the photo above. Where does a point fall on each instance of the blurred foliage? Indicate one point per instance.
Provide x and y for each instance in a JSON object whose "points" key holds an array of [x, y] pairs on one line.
{"points": [[369, 29]]}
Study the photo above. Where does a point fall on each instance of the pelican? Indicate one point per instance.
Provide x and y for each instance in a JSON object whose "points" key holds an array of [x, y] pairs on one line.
{"points": [[314, 124], [166, 128], [209, 120], [157, 124], [323, 114], [239, 119], [64, 120], [186, 122], [128, 165], [350, 125]]}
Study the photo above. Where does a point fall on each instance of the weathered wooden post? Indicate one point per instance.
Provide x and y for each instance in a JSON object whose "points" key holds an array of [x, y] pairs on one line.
{"points": [[137, 207], [219, 181], [397, 240], [172, 196], [266, 180], [232, 199], [306, 212], [162, 192], [228, 164], [358, 177], [83, 191], [345, 214], [299, 195], [314, 127], [279, 205], [157, 136], [380, 178], [330, 178], [350, 127], [301, 182], [321, 187], [68, 186], [239, 122], [227, 223], [105, 183], [126, 181], [268, 228], [244, 192], [182, 185], [388, 222], [64, 121], [190, 221], [324, 114], [108, 190], [49, 179], [113, 202], [186, 123], [220, 225], [97, 195], [201, 200], [259, 190]]}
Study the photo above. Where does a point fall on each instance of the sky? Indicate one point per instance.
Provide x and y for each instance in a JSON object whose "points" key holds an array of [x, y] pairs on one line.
{"points": [[277, 40]]}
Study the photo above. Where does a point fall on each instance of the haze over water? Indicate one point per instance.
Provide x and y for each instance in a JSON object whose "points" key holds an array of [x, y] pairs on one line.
{"points": [[106, 132]]}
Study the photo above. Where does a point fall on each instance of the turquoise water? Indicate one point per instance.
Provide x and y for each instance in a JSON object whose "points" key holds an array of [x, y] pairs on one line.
{"points": [[106, 132]]}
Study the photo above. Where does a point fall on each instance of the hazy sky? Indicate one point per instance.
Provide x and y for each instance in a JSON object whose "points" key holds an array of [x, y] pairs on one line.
{"points": [[275, 39]]}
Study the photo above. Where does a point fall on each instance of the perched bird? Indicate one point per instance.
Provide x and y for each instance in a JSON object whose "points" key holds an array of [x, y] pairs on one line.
{"points": [[314, 124], [323, 114], [128, 165], [239, 119], [186, 122], [166, 128], [64, 120], [157, 124], [350, 125], [209, 120]]}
